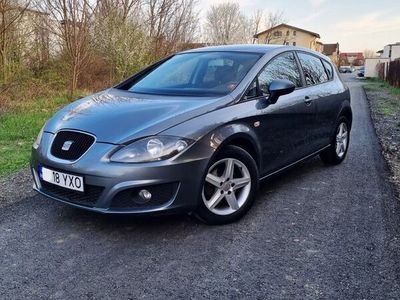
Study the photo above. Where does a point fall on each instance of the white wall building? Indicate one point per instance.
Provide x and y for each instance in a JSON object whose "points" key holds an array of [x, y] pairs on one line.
{"points": [[371, 65], [389, 53]]}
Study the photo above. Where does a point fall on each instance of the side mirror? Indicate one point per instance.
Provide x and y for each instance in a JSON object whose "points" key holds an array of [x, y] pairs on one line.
{"points": [[279, 88]]}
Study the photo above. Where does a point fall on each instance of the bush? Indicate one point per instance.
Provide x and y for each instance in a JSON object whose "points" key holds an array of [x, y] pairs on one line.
{"points": [[97, 75], [27, 86]]}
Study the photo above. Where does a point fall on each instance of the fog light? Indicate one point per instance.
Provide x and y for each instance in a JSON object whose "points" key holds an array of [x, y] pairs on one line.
{"points": [[145, 195]]}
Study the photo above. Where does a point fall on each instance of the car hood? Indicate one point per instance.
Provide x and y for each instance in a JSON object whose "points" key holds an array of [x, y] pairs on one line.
{"points": [[117, 116]]}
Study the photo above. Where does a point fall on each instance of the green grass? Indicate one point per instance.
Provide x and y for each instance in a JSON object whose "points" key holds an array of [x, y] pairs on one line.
{"points": [[390, 105], [19, 128], [374, 84], [389, 108]]}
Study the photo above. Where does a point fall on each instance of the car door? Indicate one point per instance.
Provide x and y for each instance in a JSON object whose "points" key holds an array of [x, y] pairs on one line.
{"points": [[322, 92], [284, 125], [329, 106]]}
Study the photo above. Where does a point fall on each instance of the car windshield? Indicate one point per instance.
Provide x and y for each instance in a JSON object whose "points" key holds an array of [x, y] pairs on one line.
{"points": [[197, 74]]}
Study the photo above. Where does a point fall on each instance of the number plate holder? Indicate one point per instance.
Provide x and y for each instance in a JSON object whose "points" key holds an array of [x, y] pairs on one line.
{"points": [[65, 180]]}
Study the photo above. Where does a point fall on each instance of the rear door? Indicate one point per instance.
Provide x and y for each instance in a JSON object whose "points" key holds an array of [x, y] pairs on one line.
{"points": [[321, 91]]}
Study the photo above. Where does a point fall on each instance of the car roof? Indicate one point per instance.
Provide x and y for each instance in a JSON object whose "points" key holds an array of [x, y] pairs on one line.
{"points": [[250, 48], [255, 48]]}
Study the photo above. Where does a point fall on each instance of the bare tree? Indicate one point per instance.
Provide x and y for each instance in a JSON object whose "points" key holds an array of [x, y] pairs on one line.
{"points": [[255, 22], [225, 24], [119, 38], [34, 40], [369, 53], [70, 22], [11, 12], [273, 19], [170, 24], [122, 8]]}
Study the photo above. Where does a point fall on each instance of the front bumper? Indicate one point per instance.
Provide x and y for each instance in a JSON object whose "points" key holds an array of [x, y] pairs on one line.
{"points": [[175, 184]]}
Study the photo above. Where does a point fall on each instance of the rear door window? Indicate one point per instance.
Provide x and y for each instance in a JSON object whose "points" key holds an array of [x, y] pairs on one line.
{"points": [[328, 69], [314, 71]]}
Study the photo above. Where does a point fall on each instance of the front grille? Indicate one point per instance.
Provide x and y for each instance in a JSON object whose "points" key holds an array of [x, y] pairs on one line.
{"points": [[79, 143], [129, 198], [88, 198]]}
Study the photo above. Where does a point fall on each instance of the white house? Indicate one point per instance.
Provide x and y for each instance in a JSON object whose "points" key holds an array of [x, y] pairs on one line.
{"points": [[389, 53], [371, 66]]}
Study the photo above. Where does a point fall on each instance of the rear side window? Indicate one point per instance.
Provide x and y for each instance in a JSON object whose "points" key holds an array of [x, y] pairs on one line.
{"points": [[328, 69], [314, 71], [283, 66]]}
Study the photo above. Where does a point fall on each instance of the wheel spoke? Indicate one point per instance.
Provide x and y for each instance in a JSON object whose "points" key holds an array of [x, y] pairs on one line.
{"points": [[343, 146], [229, 167], [240, 182], [341, 130], [232, 201], [338, 147], [214, 180], [215, 199]]}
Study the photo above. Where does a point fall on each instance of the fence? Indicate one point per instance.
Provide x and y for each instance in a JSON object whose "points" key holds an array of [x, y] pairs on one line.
{"points": [[390, 72]]}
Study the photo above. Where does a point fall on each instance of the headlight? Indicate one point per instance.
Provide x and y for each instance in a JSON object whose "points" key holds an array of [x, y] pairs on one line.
{"points": [[38, 139], [151, 149]]}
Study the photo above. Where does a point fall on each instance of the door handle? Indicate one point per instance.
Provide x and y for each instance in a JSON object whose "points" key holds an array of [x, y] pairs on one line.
{"points": [[307, 100]]}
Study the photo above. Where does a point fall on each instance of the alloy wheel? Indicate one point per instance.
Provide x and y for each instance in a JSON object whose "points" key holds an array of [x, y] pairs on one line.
{"points": [[227, 186], [341, 139]]}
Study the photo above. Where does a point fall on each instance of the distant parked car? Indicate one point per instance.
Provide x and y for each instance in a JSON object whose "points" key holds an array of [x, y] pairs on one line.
{"points": [[195, 132], [361, 72], [345, 70]]}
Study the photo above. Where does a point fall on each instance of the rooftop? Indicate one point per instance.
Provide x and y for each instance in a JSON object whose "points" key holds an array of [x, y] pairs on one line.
{"points": [[289, 26], [329, 49]]}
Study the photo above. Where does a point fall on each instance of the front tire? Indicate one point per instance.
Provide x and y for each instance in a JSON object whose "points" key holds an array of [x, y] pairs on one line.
{"points": [[229, 187], [337, 151]]}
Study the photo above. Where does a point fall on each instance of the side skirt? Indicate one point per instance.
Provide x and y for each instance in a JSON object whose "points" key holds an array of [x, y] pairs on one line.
{"points": [[294, 163]]}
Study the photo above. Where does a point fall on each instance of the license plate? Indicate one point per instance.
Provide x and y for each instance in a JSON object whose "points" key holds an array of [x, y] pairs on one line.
{"points": [[64, 180]]}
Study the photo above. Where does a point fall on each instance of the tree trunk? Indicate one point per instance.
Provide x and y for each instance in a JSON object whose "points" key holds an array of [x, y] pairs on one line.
{"points": [[74, 78]]}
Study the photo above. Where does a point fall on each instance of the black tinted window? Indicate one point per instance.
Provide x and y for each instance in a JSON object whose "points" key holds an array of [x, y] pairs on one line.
{"points": [[197, 74], [283, 66], [314, 71], [328, 68]]}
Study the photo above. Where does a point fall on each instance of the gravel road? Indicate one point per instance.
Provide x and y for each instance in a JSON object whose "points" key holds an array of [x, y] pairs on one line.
{"points": [[314, 232]]}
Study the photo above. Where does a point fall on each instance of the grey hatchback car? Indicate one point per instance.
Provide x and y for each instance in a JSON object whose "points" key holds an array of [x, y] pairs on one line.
{"points": [[195, 132]]}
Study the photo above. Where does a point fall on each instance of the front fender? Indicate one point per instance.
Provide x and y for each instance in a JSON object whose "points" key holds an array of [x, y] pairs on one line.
{"points": [[239, 134], [209, 145]]}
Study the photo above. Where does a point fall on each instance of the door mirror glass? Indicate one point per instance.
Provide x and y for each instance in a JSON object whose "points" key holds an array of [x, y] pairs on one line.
{"points": [[280, 87], [252, 90], [264, 88]]}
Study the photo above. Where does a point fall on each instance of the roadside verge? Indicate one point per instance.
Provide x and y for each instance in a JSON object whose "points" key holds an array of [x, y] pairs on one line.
{"points": [[384, 103]]}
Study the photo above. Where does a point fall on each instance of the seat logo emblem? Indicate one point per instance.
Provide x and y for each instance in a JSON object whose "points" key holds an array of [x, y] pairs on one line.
{"points": [[67, 145]]}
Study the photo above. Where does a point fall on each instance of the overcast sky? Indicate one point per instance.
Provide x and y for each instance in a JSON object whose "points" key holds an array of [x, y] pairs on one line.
{"points": [[356, 24]]}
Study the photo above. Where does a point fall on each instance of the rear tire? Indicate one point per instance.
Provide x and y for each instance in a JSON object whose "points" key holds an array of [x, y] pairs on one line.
{"points": [[337, 151], [230, 186]]}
